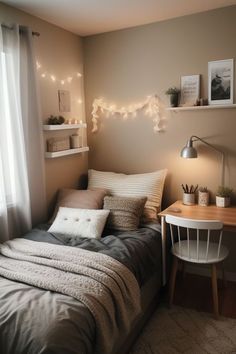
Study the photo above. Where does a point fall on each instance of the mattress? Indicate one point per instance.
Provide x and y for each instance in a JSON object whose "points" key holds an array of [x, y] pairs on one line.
{"points": [[33, 320]]}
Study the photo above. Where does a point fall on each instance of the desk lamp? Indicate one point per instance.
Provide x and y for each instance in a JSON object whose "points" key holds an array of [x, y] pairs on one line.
{"points": [[189, 152]]}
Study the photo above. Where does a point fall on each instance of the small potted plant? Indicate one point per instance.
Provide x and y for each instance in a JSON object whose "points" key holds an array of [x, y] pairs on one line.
{"points": [[203, 196], [173, 92], [223, 196]]}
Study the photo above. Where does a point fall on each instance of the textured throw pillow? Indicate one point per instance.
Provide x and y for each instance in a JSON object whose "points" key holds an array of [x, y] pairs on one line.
{"points": [[83, 199], [125, 213], [79, 222], [148, 185]]}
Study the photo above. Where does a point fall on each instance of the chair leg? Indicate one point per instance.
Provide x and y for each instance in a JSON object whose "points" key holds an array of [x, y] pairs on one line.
{"points": [[215, 290], [172, 280], [183, 269], [224, 280]]}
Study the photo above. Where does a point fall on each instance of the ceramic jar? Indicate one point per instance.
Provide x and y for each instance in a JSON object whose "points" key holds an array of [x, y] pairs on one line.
{"points": [[188, 198], [222, 202], [203, 198]]}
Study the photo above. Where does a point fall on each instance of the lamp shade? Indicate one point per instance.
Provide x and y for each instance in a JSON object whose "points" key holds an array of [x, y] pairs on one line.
{"points": [[189, 152]]}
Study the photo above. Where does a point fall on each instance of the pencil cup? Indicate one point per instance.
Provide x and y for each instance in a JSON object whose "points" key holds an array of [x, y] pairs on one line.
{"points": [[188, 198]]}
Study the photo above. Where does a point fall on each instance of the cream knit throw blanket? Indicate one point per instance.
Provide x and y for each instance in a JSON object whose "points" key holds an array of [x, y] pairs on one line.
{"points": [[104, 285]]}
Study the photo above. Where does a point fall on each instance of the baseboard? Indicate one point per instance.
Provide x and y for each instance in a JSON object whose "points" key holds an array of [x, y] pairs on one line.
{"points": [[206, 272]]}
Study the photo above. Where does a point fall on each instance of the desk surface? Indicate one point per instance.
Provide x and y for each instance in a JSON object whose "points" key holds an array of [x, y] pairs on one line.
{"points": [[226, 215]]}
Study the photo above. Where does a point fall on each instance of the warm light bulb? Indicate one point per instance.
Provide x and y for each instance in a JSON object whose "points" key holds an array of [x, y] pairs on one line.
{"points": [[79, 75], [62, 82], [79, 101], [53, 78], [43, 75], [69, 79], [38, 65]]}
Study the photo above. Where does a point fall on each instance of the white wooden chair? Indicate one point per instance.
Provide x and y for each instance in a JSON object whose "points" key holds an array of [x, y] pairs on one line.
{"points": [[191, 248]]}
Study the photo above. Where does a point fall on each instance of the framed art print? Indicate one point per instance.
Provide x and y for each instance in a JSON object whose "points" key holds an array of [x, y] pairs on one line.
{"points": [[64, 100], [190, 90], [220, 82]]}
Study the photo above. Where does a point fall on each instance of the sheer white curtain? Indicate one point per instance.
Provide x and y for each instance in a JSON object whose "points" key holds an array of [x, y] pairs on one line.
{"points": [[22, 187]]}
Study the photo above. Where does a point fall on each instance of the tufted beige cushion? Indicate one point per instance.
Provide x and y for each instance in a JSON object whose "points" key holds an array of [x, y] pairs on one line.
{"points": [[79, 222], [148, 185], [83, 199], [125, 213]]}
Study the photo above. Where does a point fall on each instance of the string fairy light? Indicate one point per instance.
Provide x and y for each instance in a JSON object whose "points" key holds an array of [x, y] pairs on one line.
{"points": [[46, 75], [151, 106]]}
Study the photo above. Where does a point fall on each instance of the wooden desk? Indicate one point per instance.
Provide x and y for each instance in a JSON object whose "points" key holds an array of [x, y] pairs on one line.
{"points": [[226, 215]]}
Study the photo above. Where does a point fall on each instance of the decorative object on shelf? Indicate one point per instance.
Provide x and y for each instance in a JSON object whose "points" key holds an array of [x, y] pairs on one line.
{"points": [[189, 194], [75, 141], [173, 92], [64, 100], [220, 81], [190, 90], [58, 144], [201, 102], [54, 120], [189, 152], [152, 105], [203, 196], [223, 196]]}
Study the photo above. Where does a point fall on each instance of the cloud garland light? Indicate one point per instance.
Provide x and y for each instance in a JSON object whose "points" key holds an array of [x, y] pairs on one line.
{"points": [[151, 106]]}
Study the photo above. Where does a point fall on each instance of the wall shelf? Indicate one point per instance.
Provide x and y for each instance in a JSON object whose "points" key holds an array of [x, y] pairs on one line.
{"points": [[59, 127], [64, 126], [199, 108], [51, 155]]}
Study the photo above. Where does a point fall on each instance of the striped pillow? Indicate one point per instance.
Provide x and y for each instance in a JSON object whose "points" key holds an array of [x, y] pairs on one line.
{"points": [[148, 185]]}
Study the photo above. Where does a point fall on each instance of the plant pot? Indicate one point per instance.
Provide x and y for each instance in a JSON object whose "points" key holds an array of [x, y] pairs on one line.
{"points": [[174, 99], [222, 202], [203, 198], [188, 198]]}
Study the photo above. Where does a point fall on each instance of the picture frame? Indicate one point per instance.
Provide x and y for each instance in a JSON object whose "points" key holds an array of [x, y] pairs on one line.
{"points": [[190, 90], [64, 100], [220, 82]]}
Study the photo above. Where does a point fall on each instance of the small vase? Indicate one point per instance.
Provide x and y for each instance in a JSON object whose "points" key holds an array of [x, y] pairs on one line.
{"points": [[222, 202], [203, 198], [188, 198], [174, 100]]}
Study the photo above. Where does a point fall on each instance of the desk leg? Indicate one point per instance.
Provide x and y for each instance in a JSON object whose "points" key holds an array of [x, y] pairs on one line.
{"points": [[163, 242]]}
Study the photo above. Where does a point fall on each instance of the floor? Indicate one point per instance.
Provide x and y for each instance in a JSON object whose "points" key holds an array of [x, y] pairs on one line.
{"points": [[194, 291]]}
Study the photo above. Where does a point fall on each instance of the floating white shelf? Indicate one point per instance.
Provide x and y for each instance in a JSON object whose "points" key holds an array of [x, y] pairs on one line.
{"points": [[51, 155], [64, 126], [198, 108]]}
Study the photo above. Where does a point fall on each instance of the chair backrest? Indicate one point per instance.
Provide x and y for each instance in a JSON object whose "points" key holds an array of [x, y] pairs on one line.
{"points": [[198, 225]]}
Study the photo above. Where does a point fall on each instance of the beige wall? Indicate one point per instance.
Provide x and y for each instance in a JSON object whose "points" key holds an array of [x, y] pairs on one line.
{"points": [[125, 66], [60, 53]]}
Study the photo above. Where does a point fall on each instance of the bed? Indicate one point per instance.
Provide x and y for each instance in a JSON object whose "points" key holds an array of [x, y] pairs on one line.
{"points": [[34, 320], [37, 318]]}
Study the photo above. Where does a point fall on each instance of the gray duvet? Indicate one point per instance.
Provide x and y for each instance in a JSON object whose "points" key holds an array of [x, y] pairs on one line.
{"points": [[35, 321]]}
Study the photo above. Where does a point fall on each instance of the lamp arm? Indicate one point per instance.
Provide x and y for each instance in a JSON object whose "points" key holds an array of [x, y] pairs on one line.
{"points": [[195, 138]]}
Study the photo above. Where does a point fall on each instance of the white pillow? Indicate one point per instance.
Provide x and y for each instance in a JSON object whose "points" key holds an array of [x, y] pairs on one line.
{"points": [[80, 222], [148, 185]]}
